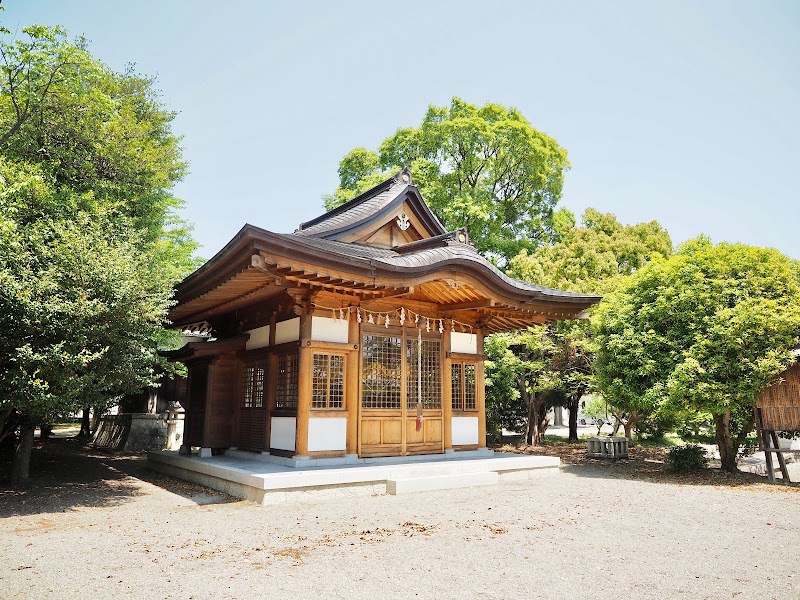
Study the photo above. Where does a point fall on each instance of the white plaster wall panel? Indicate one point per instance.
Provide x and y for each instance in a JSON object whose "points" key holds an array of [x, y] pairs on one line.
{"points": [[259, 338], [282, 432], [327, 434], [325, 329], [464, 343], [465, 431], [287, 331]]}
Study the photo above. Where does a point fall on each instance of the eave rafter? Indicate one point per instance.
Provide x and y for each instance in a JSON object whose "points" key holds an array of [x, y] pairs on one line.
{"points": [[240, 288], [263, 293], [287, 274]]}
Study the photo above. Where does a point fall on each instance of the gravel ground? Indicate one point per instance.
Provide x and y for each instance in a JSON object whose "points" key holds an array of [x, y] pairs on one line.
{"points": [[101, 527]]}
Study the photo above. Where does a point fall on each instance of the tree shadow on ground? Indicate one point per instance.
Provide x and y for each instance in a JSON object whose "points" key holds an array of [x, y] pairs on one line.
{"points": [[645, 464], [66, 475], [62, 479]]}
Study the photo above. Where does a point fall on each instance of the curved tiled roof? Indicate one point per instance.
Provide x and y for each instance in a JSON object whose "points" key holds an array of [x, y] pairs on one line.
{"points": [[368, 207], [233, 275], [448, 254]]}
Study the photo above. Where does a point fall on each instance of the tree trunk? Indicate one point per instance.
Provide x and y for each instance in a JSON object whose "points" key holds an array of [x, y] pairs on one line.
{"points": [[532, 437], [46, 429], [85, 424], [20, 468], [728, 445], [629, 425], [572, 407], [5, 415], [96, 416], [543, 421]]}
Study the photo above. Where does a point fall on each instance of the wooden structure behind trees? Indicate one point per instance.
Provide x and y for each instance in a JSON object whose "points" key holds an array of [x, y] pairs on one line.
{"points": [[361, 333], [778, 410]]}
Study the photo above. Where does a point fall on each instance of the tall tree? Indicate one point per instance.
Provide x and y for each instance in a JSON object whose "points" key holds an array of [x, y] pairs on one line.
{"points": [[90, 240], [485, 168], [103, 137], [706, 330], [592, 258]]}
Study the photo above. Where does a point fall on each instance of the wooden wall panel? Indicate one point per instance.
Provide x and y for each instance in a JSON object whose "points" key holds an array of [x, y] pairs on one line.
{"points": [[391, 431], [221, 401], [370, 432]]}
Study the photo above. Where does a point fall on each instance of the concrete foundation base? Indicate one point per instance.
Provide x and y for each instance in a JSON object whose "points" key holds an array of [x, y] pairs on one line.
{"points": [[270, 482]]}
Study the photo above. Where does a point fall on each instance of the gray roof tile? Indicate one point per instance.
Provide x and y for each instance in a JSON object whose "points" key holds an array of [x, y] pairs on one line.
{"points": [[437, 256]]}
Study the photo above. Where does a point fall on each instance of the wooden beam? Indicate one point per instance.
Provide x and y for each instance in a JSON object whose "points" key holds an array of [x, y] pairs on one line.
{"points": [[397, 293], [262, 293], [451, 308]]}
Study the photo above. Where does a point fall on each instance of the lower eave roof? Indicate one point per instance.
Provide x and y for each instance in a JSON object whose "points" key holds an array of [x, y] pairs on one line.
{"points": [[374, 263]]}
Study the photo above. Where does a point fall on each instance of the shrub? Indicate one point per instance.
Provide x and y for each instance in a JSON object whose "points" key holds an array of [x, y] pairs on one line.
{"points": [[748, 446], [688, 458], [656, 426]]}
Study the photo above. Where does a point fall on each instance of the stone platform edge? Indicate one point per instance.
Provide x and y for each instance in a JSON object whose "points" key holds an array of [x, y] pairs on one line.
{"points": [[272, 487]]}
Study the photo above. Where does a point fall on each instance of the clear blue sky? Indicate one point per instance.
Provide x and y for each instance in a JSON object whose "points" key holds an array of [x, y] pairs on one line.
{"points": [[683, 112]]}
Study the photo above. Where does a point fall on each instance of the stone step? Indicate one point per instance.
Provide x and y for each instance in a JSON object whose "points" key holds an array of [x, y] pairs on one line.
{"points": [[407, 485]]}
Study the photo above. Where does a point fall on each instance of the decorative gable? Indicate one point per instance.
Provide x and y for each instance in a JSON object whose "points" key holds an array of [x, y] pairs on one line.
{"points": [[390, 214]]}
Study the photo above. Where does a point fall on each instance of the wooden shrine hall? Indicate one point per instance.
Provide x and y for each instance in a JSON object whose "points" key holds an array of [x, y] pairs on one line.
{"points": [[360, 334]]}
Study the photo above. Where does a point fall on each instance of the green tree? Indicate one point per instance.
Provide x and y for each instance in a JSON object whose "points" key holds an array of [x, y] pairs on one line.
{"points": [[592, 258], [103, 137], [705, 331], [522, 375], [485, 168], [503, 407], [90, 240]]}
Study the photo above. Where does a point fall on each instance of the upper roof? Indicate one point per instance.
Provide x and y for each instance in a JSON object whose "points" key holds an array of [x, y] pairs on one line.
{"points": [[372, 207], [385, 242]]}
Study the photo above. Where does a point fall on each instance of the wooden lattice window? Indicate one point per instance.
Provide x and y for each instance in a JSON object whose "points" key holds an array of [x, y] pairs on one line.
{"points": [[462, 376], [328, 382], [382, 358], [431, 382], [253, 386], [286, 381]]}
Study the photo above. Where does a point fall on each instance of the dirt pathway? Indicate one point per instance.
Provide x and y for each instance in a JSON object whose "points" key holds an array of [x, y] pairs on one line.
{"points": [[120, 531]]}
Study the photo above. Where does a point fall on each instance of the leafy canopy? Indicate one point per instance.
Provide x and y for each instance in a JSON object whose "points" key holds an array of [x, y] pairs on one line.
{"points": [[101, 139], [593, 258], [485, 168], [706, 330], [90, 240]]}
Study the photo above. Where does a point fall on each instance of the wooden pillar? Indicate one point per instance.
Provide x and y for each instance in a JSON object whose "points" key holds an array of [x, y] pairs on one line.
{"points": [[237, 400], [270, 381], [188, 410], [305, 368], [205, 449], [447, 392], [480, 392], [351, 395]]}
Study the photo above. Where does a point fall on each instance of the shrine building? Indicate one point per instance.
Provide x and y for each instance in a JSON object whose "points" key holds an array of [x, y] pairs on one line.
{"points": [[360, 334]]}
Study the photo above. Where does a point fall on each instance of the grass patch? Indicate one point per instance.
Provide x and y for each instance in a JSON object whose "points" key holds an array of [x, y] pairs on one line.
{"points": [[666, 441], [700, 438]]}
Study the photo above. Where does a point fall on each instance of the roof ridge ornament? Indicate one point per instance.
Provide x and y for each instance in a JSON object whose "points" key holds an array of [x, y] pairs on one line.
{"points": [[404, 175], [402, 221]]}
